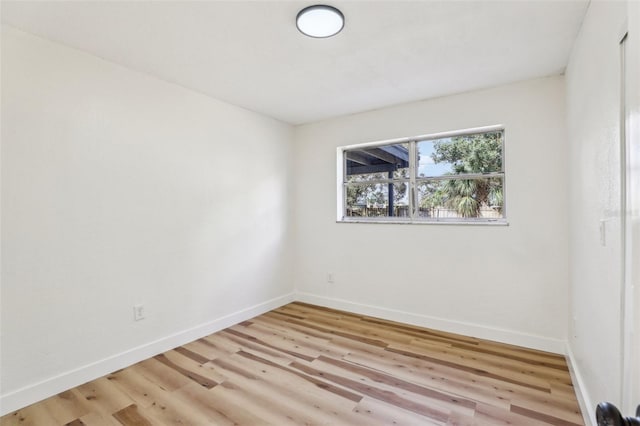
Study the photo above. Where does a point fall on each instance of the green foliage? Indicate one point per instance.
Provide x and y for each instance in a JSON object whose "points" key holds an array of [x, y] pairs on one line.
{"points": [[481, 153], [472, 154], [375, 194]]}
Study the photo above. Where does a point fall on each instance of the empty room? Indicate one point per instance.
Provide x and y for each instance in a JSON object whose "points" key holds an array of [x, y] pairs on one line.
{"points": [[343, 213]]}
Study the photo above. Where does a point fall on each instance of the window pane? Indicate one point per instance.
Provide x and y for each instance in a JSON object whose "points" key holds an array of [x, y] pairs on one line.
{"points": [[387, 161], [461, 198], [479, 153], [372, 200]]}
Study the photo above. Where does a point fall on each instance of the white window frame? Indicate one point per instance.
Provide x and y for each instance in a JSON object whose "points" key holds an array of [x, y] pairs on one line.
{"points": [[413, 179]]}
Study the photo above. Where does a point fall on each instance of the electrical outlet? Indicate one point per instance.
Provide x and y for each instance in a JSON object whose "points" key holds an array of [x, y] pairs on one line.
{"points": [[330, 277], [138, 312]]}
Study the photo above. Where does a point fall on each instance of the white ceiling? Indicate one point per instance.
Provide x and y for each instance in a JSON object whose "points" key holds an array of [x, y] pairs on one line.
{"points": [[250, 53]]}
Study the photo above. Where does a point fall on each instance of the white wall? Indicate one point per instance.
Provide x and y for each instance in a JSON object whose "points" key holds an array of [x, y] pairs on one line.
{"points": [[502, 282], [593, 123], [633, 111], [117, 189]]}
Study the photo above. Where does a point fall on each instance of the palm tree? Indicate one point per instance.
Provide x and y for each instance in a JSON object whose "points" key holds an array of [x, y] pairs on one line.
{"points": [[471, 154]]}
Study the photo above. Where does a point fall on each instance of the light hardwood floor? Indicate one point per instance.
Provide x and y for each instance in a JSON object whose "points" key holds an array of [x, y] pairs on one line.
{"points": [[302, 364]]}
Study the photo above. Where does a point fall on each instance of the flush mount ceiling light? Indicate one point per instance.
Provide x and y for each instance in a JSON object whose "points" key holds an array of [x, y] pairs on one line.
{"points": [[320, 21]]}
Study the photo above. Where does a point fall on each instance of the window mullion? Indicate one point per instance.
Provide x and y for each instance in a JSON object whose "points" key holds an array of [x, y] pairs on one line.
{"points": [[463, 176], [413, 196]]}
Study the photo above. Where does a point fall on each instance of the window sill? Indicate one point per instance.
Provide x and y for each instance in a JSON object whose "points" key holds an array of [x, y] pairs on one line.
{"points": [[501, 222]]}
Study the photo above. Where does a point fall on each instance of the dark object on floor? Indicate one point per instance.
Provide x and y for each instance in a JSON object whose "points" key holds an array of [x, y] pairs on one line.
{"points": [[608, 415]]}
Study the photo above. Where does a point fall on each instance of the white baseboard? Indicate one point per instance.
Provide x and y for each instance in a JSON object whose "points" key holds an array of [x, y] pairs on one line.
{"points": [[38, 391], [586, 404], [468, 329]]}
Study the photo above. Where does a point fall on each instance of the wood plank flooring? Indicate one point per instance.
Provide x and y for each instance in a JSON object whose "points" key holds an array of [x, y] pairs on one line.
{"points": [[306, 365]]}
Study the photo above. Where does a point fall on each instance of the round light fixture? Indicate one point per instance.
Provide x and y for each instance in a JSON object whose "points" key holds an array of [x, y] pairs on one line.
{"points": [[320, 21]]}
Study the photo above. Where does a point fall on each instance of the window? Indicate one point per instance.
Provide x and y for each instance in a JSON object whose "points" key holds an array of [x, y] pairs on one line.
{"points": [[454, 177]]}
